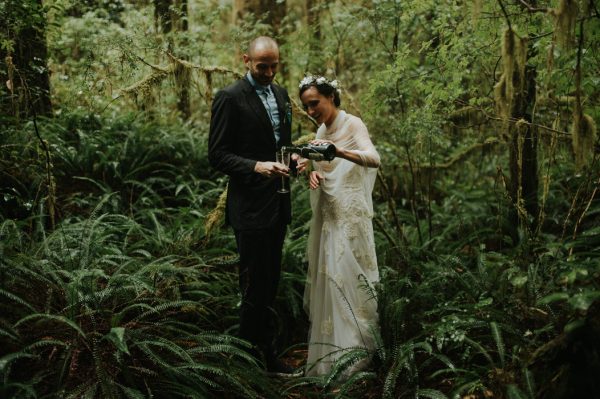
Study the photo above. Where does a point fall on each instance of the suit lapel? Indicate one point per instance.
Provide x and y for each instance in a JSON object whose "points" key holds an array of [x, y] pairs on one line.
{"points": [[257, 106]]}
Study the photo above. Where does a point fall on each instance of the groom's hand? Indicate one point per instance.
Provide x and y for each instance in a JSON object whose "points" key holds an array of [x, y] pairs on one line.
{"points": [[302, 164], [271, 169]]}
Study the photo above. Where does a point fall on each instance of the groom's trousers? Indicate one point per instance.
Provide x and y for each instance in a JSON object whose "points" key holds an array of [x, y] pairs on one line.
{"points": [[259, 272]]}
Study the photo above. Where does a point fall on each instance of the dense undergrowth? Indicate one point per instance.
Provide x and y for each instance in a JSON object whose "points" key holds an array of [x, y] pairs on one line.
{"points": [[112, 287], [126, 296]]}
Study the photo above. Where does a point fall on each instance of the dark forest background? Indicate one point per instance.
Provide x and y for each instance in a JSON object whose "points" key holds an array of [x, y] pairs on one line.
{"points": [[118, 278]]}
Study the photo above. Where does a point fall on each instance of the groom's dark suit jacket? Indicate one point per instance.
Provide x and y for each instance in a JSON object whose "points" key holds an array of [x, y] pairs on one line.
{"points": [[241, 134]]}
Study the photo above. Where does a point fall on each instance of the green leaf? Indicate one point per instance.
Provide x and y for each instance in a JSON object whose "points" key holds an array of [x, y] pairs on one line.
{"points": [[117, 337]]}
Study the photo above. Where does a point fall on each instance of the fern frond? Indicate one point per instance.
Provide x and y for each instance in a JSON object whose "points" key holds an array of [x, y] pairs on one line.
{"points": [[85, 390], [131, 393], [160, 309], [60, 319], [481, 350], [6, 360], [360, 377], [529, 383], [344, 363], [513, 392], [20, 390], [16, 299], [430, 393], [497, 334], [45, 342]]}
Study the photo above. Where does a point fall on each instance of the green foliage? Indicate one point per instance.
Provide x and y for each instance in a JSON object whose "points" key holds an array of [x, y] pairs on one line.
{"points": [[127, 297], [107, 318]]}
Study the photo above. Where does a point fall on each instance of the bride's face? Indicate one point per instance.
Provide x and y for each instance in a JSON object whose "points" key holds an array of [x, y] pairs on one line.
{"points": [[318, 106]]}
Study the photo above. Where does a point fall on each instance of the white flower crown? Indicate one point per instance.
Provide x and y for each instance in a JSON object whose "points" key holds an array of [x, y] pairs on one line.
{"points": [[319, 80]]}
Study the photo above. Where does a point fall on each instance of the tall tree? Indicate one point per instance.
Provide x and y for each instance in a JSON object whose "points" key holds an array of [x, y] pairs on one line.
{"points": [[270, 12], [172, 16], [23, 58], [313, 19]]}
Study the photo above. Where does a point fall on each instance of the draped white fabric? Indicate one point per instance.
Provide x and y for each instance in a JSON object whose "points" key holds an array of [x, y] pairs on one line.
{"points": [[341, 250]]}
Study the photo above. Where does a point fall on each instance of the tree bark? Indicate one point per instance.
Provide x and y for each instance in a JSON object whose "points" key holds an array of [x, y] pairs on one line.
{"points": [[524, 180], [268, 11], [24, 72], [162, 15], [314, 24], [171, 15]]}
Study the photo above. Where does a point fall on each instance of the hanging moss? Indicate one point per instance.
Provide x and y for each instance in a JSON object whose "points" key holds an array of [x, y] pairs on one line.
{"points": [[503, 103], [512, 80], [216, 216], [209, 87], [565, 17], [476, 12], [583, 131], [550, 59], [141, 92], [508, 51], [181, 71]]}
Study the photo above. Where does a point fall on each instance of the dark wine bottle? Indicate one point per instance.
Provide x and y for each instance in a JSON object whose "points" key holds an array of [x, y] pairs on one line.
{"points": [[315, 152]]}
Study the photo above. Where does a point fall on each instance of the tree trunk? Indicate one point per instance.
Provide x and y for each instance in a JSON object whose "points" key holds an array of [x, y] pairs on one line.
{"points": [[24, 73], [314, 24], [162, 15], [172, 15], [524, 178], [267, 11]]}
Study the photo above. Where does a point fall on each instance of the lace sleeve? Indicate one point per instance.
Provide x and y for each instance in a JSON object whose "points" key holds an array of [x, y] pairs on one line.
{"points": [[364, 148]]}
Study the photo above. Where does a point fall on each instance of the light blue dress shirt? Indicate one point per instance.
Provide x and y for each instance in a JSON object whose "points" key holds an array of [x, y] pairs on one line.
{"points": [[266, 95]]}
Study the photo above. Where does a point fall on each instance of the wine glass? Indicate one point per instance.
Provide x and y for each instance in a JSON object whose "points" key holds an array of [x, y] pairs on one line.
{"points": [[283, 157]]}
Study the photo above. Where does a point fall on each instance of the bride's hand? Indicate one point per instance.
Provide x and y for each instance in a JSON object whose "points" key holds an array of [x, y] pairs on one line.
{"points": [[320, 142], [314, 180]]}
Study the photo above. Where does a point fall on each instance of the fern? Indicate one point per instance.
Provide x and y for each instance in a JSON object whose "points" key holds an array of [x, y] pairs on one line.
{"points": [[529, 383], [353, 382], [347, 359], [497, 334], [513, 392], [430, 394]]}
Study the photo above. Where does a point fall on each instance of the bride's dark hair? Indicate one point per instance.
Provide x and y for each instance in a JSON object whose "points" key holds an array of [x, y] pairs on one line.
{"points": [[323, 86]]}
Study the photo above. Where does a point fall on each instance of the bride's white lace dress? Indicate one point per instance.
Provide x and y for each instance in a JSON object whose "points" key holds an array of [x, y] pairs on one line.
{"points": [[341, 250]]}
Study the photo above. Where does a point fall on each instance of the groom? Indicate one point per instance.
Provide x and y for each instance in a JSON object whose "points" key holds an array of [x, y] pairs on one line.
{"points": [[251, 120]]}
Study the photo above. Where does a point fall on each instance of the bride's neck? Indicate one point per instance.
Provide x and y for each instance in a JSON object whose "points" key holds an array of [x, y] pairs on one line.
{"points": [[331, 119]]}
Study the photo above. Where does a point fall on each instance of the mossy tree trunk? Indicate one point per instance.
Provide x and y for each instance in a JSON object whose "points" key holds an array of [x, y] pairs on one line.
{"points": [[524, 179], [24, 67], [314, 24], [172, 16]]}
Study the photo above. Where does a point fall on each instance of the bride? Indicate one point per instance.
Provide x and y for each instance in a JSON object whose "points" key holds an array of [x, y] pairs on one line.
{"points": [[342, 266]]}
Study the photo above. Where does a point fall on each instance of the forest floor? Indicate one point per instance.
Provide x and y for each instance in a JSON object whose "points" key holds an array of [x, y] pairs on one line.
{"points": [[297, 358]]}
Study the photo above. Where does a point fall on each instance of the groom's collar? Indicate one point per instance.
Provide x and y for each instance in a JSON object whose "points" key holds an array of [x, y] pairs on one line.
{"points": [[255, 85]]}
